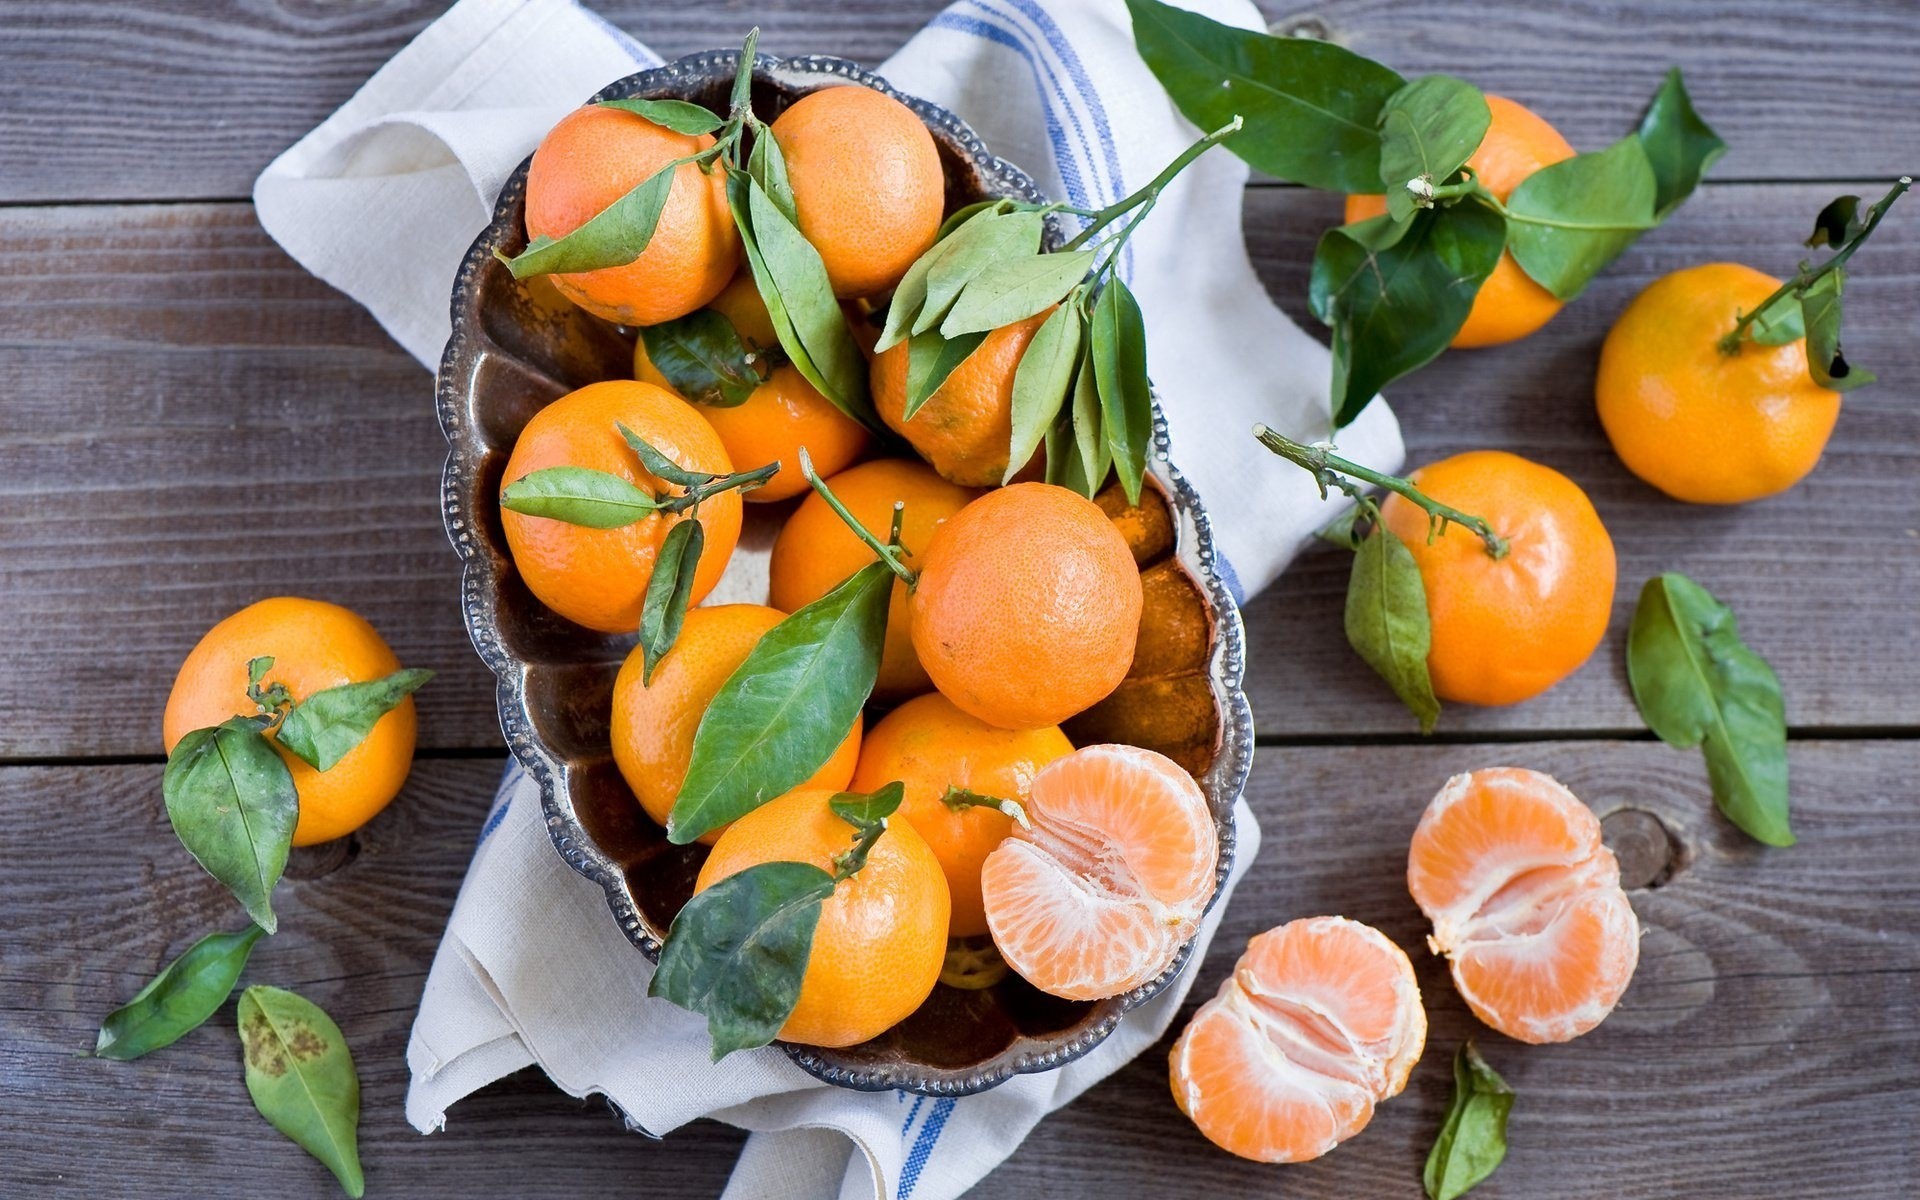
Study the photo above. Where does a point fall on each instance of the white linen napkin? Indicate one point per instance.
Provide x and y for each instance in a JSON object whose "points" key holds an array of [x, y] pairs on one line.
{"points": [[383, 199]]}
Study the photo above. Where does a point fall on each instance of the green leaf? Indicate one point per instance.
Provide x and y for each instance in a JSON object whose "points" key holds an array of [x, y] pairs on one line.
{"points": [[860, 809], [1387, 622], [1014, 289], [232, 804], [326, 726], [768, 167], [1820, 308], [614, 237], [1473, 1138], [991, 240], [179, 999], [737, 952], [1311, 108], [1065, 468], [677, 115], [1427, 131], [968, 212], [301, 1077], [788, 706], [1042, 381], [703, 356], [931, 357], [1697, 684], [578, 496], [1678, 144], [669, 590], [1119, 353], [1567, 221], [1778, 323], [1838, 223], [800, 302], [1089, 428], [659, 465], [1395, 298]]}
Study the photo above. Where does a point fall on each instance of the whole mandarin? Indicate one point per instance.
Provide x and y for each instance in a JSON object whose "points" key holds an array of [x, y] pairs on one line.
{"points": [[598, 577], [1027, 607], [593, 157], [314, 646], [1507, 629]]}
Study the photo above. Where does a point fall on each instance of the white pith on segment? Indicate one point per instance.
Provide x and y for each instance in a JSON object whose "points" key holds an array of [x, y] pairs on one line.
{"points": [[1282, 1067], [1098, 896], [1529, 913]]}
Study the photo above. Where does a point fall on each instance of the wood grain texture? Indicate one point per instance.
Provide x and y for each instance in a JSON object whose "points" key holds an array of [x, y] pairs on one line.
{"points": [[224, 88], [1822, 577], [1777, 991], [192, 423]]}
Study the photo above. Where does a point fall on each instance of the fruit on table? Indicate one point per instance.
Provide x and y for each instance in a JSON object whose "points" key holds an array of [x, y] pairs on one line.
{"points": [[1700, 424], [931, 746], [1526, 903], [592, 158], [882, 935], [1509, 305], [965, 429], [1098, 896], [815, 552], [653, 724], [783, 414], [868, 188], [598, 577], [1027, 606], [1509, 628], [1319, 1022], [314, 645]]}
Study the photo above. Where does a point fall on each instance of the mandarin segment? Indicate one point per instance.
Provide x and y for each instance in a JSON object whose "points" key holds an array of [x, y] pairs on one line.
{"points": [[1701, 425], [1320, 1021], [593, 157], [815, 552], [882, 935], [1505, 630], [931, 746], [1525, 902], [1099, 894], [314, 646], [598, 577], [654, 723], [868, 188], [1027, 608]]}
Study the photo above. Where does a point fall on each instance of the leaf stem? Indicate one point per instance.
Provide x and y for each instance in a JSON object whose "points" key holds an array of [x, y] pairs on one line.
{"points": [[849, 861], [1331, 471], [959, 798], [1806, 276], [889, 554], [744, 481], [1148, 194]]}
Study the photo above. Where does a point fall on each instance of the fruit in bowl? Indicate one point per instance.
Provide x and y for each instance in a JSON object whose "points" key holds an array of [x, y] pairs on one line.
{"points": [[693, 756]]}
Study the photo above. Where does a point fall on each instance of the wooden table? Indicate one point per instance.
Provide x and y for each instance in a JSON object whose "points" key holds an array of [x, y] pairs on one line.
{"points": [[191, 422]]}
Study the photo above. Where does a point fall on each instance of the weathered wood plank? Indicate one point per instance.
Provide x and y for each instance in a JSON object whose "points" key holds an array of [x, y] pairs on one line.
{"points": [[1777, 989], [1798, 98], [193, 422], [1822, 577]]}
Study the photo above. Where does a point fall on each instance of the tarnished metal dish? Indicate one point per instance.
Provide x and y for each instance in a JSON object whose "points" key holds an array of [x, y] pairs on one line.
{"points": [[517, 346]]}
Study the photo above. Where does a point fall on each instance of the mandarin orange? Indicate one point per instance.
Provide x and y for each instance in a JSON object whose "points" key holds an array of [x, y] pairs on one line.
{"points": [[314, 646], [596, 155]]}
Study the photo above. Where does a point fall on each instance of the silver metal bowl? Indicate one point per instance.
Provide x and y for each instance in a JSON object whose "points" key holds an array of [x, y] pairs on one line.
{"points": [[517, 346]]}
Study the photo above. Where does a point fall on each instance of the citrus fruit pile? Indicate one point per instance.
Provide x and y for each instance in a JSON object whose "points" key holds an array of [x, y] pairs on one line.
{"points": [[825, 342]]}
